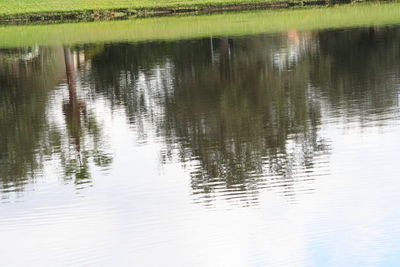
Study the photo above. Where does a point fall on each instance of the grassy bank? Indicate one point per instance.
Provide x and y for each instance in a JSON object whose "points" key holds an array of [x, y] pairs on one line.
{"points": [[186, 27], [75, 9]]}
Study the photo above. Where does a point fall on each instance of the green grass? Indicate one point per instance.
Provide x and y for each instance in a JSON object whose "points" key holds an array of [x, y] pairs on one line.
{"points": [[186, 27], [14, 7]]}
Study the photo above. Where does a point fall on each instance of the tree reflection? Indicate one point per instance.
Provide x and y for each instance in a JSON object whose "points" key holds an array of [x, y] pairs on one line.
{"points": [[240, 114], [228, 109], [245, 113], [357, 70], [24, 90], [30, 136], [84, 133], [247, 122]]}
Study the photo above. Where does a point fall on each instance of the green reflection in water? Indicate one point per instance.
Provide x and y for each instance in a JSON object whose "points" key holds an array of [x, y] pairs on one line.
{"points": [[24, 92], [248, 108], [240, 114], [30, 136]]}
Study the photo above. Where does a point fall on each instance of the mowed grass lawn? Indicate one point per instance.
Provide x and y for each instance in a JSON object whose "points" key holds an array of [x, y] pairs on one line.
{"points": [[15, 7]]}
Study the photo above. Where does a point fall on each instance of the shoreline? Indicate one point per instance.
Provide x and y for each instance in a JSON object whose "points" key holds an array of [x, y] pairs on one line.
{"points": [[170, 28], [125, 13]]}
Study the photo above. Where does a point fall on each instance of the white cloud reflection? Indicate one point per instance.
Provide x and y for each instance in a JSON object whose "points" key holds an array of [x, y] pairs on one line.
{"points": [[148, 218]]}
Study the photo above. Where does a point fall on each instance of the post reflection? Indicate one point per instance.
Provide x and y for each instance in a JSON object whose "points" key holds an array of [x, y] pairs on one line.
{"points": [[83, 129]]}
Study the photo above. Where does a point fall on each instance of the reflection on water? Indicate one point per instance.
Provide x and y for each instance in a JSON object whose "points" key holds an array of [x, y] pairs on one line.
{"points": [[24, 94], [31, 133], [81, 125], [238, 120]]}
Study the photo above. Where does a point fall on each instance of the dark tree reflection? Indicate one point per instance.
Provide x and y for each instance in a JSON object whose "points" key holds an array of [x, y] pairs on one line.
{"points": [[30, 137], [245, 113], [84, 133], [243, 119], [24, 91], [223, 105], [358, 70], [240, 114]]}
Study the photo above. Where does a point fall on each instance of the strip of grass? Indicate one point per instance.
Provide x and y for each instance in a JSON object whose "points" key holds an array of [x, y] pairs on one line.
{"points": [[186, 27], [15, 7]]}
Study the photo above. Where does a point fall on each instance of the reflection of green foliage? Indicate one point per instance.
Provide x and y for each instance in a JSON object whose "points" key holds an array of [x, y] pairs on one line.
{"points": [[29, 138], [24, 90], [239, 111], [233, 116], [77, 168], [89, 146], [359, 80]]}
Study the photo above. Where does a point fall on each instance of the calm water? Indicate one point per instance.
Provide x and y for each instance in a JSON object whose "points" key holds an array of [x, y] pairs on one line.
{"points": [[263, 150]]}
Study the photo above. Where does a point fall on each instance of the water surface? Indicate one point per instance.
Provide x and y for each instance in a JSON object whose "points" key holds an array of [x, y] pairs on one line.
{"points": [[261, 150]]}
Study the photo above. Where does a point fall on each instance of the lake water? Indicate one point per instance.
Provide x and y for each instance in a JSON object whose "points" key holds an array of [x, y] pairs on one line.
{"points": [[266, 150]]}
